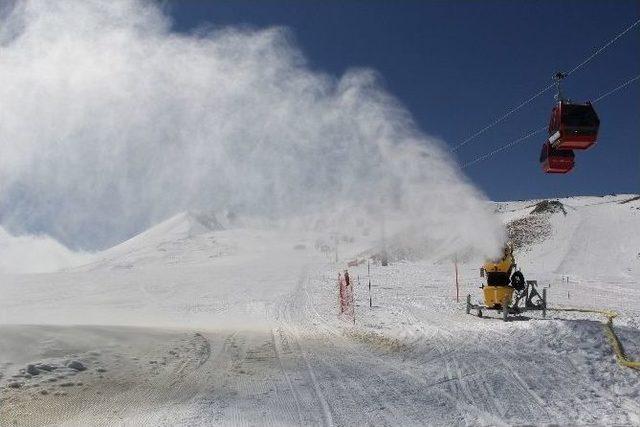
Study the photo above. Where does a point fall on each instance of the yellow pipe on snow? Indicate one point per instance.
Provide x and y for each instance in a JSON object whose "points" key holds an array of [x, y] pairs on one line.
{"points": [[614, 340]]}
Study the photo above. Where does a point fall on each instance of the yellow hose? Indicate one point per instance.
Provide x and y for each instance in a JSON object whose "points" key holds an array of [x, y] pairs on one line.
{"points": [[621, 357]]}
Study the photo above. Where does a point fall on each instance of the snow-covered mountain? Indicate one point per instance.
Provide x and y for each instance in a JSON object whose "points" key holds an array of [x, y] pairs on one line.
{"points": [[580, 238], [187, 237]]}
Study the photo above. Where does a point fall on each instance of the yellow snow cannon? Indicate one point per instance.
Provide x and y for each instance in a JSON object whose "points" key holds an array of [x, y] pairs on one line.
{"points": [[503, 281], [498, 273]]}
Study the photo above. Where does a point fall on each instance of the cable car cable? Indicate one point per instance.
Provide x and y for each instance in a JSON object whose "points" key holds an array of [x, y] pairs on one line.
{"points": [[537, 131], [547, 88], [603, 47], [504, 147], [502, 118], [614, 90]]}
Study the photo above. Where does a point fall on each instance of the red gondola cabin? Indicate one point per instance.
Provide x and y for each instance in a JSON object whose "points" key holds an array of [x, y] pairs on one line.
{"points": [[573, 126], [556, 161]]}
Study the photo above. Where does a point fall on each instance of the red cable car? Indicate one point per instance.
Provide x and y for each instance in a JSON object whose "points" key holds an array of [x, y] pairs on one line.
{"points": [[554, 160], [573, 126]]}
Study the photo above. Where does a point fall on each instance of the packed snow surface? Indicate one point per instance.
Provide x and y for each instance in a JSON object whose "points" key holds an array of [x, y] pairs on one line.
{"points": [[196, 323]]}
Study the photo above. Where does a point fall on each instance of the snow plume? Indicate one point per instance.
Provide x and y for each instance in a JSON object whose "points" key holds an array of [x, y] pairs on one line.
{"points": [[35, 254], [111, 122]]}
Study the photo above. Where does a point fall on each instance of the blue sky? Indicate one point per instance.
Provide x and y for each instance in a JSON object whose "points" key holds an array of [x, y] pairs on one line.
{"points": [[458, 65]]}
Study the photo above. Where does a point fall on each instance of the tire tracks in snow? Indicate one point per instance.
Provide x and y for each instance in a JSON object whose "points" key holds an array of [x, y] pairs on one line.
{"points": [[496, 368], [277, 346], [383, 387]]}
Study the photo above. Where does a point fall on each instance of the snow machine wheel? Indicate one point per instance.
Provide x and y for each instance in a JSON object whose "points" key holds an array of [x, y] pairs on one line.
{"points": [[479, 313], [517, 281]]}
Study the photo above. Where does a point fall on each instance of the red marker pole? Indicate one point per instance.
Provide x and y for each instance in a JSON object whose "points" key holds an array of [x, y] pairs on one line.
{"points": [[455, 263]]}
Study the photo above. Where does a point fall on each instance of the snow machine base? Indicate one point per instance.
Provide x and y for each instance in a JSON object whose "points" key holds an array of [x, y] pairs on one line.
{"points": [[533, 301]]}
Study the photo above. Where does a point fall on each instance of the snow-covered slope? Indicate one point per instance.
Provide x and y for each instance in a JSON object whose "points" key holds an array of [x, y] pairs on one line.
{"points": [[189, 324], [578, 238], [184, 238]]}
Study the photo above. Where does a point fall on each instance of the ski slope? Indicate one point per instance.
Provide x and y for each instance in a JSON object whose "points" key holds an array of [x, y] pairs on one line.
{"points": [[197, 323]]}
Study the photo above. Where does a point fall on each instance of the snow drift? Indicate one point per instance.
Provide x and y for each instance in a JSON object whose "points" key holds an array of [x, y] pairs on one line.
{"points": [[113, 122]]}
